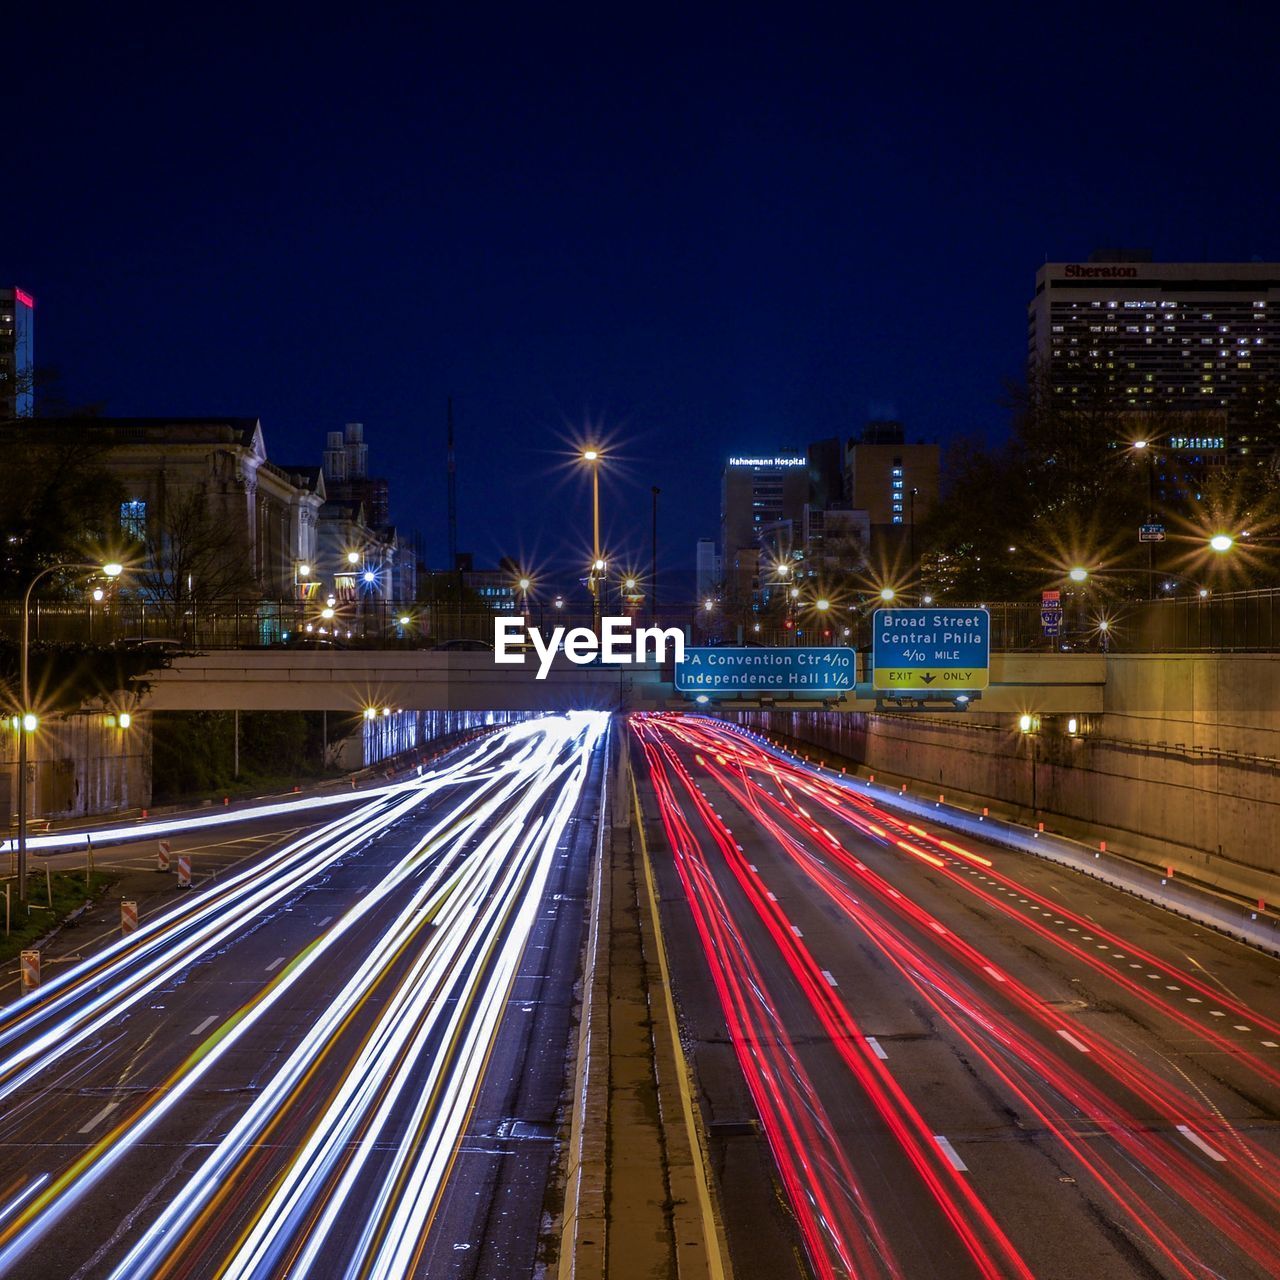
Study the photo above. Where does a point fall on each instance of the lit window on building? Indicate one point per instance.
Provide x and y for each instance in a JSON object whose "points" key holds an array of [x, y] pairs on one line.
{"points": [[133, 519]]}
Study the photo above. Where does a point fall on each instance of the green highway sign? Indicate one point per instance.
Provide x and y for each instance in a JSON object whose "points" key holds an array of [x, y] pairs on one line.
{"points": [[931, 648]]}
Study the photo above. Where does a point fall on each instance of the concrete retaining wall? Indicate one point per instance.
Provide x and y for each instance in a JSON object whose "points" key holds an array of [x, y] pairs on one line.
{"points": [[1182, 767]]}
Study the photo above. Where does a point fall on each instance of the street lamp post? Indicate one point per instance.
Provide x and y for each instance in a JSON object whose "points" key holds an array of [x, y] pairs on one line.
{"points": [[27, 720], [653, 568], [592, 456], [1146, 446]]}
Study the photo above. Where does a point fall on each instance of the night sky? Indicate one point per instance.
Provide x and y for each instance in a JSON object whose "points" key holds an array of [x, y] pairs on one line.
{"points": [[700, 230]]}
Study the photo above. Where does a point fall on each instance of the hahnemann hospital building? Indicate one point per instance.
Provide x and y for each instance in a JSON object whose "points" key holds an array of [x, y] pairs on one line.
{"points": [[1194, 337]]}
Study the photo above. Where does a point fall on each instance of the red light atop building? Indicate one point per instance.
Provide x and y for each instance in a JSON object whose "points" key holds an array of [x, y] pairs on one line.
{"points": [[22, 296]]}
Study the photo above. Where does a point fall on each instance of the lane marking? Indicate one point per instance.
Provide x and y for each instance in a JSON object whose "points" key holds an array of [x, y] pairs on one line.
{"points": [[275, 964], [953, 1156], [205, 1025], [99, 1118], [796, 931], [876, 1049], [997, 976], [1196, 1140], [826, 973], [320, 924], [1072, 1041], [1270, 1044]]}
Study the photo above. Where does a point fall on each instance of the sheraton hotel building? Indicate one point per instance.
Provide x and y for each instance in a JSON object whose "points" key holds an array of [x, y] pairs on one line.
{"points": [[1200, 338]]}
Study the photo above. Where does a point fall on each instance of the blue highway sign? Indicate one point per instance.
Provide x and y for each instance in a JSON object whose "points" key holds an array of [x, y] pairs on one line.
{"points": [[819, 670]]}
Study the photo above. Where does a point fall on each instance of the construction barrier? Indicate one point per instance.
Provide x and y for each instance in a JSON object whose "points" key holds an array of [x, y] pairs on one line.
{"points": [[184, 871], [164, 852], [30, 970], [128, 916]]}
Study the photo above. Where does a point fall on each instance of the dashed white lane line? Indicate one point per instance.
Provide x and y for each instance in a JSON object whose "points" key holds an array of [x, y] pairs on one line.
{"points": [[1194, 1000], [796, 930], [770, 896], [753, 867], [205, 1025], [999, 977], [1072, 1041], [320, 924], [275, 964], [99, 1118], [1241, 1027], [876, 1049], [1216, 1013], [953, 1156], [1270, 1044], [826, 973], [1196, 1140]]}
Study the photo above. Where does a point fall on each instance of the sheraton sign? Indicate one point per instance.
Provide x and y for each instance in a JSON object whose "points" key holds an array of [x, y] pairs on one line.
{"points": [[1088, 271]]}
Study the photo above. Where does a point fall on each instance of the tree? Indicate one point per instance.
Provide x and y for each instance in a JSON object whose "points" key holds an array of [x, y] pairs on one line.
{"points": [[58, 502], [188, 557]]}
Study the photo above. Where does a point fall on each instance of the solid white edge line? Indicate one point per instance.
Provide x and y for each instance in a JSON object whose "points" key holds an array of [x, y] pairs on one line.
{"points": [[1196, 1140], [953, 1156]]}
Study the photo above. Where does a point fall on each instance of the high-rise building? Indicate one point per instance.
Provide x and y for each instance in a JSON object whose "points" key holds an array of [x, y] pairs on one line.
{"points": [[1184, 336], [708, 570], [17, 322], [347, 478], [757, 492], [894, 482]]}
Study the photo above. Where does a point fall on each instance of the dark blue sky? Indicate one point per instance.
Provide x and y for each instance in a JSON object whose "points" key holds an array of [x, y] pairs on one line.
{"points": [[707, 231]]}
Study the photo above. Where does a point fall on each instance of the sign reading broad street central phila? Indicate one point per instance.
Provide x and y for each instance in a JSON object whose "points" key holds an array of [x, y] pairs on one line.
{"points": [[931, 649], [816, 670]]}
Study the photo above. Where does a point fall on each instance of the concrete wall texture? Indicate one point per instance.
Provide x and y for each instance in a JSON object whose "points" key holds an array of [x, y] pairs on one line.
{"points": [[81, 764], [1181, 769]]}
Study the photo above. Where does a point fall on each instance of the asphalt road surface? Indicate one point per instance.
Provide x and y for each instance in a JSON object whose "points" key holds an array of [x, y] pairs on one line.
{"points": [[920, 1057], [342, 1056]]}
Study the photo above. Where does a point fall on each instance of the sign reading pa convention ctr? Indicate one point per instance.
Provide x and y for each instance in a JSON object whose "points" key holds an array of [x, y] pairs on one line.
{"points": [[816, 670], [931, 649]]}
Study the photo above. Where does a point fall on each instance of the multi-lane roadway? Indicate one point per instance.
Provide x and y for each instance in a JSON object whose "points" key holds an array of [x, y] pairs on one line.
{"points": [[342, 1059], [919, 1057]]}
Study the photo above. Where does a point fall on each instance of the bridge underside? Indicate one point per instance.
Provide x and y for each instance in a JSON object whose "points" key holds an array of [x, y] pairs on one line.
{"points": [[351, 680]]}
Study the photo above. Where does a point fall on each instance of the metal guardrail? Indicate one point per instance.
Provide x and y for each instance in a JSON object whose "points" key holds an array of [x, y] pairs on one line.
{"points": [[1242, 622]]}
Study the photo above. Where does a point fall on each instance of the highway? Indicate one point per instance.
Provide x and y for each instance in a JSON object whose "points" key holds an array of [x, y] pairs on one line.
{"points": [[921, 1057], [341, 1058]]}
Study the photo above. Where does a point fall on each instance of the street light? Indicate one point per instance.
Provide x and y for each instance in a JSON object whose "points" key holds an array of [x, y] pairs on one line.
{"points": [[1078, 574], [591, 456], [1222, 542], [888, 594], [353, 557], [30, 722]]}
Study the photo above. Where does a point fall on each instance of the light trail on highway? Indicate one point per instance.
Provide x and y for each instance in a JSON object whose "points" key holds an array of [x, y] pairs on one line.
{"points": [[337, 1161], [1148, 1139]]}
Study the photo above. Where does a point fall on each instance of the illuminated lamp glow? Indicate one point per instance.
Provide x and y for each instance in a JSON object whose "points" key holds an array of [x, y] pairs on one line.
{"points": [[30, 722], [125, 719], [1221, 542]]}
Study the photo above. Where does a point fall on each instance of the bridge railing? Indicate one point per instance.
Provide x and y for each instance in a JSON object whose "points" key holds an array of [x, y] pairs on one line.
{"points": [[1227, 622]]}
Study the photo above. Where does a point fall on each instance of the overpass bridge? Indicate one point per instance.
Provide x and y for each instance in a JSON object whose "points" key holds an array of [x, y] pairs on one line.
{"points": [[350, 680]]}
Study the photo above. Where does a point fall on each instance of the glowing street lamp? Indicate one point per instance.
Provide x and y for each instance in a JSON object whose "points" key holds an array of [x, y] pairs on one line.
{"points": [[353, 557], [30, 722], [888, 594], [1222, 542], [1078, 574], [591, 456]]}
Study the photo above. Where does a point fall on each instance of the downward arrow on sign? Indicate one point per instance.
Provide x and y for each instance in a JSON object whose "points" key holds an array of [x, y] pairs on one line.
{"points": [[928, 679]]}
